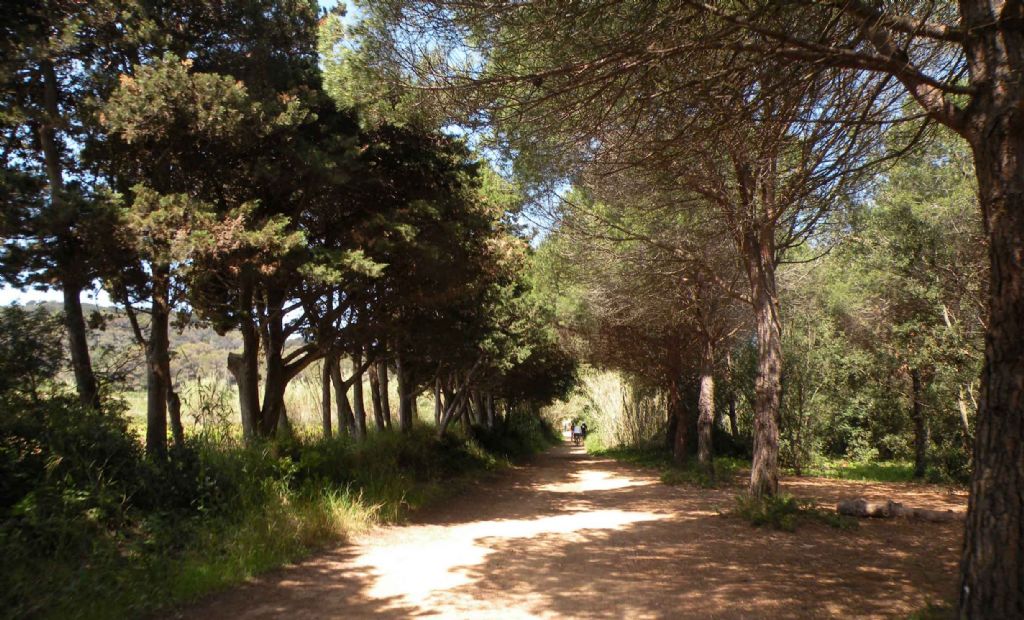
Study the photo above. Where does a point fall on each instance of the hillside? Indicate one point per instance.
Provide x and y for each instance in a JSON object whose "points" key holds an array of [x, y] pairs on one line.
{"points": [[196, 350]]}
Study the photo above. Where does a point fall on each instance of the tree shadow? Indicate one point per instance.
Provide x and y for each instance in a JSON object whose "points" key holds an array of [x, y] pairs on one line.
{"points": [[577, 536]]}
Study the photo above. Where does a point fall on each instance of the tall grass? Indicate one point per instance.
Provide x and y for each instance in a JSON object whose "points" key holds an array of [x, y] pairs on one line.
{"points": [[617, 412], [218, 512]]}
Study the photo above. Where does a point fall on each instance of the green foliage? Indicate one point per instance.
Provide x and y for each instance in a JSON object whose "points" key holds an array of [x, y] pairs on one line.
{"points": [[875, 471], [689, 473], [80, 499], [31, 350], [785, 512], [81, 508], [520, 434]]}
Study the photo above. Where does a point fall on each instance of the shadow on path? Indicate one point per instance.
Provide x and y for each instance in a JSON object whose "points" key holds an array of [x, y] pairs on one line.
{"points": [[575, 536]]}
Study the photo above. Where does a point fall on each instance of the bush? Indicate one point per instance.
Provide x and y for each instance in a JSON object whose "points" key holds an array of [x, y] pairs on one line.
{"points": [[517, 435], [672, 473], [785, 512], [82, 507]]}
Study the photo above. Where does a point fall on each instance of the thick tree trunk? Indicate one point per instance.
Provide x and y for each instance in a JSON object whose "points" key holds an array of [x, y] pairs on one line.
{"points": [[325, 397], [378, 414], [992, 566], [78, 346], [174, 414], [346, 419], [157, 363], [385, 397], [706, 410], [760, 257], [276, 376], [920, 424], [245, 367], [492, 414], [358, 404]]}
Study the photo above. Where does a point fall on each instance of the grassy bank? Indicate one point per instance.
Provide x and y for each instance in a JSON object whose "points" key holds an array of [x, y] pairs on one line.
{"points": [[104, 533]]}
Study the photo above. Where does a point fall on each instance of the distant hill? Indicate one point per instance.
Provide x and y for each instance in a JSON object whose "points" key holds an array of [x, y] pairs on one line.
{"points": [[196, 351]]}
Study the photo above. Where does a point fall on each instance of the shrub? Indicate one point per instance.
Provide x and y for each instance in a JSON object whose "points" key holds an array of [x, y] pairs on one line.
{"points": [[785, 512]]}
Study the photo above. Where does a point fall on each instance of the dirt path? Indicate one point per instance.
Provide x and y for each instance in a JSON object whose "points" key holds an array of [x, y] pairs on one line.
{"points": [[577, 536]]}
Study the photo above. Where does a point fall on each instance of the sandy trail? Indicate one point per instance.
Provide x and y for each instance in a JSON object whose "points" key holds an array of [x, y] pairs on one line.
{"points": [[571, 535]]}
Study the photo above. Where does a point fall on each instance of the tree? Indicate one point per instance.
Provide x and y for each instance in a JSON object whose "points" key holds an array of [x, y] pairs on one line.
{"points": [[162, 122], [959, 64], [660, 297], [57, 56]]}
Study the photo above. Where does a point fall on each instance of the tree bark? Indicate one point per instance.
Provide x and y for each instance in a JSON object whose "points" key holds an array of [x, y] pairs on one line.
{"points": [[78, 345], [385, 397], [174, 414], [965, 423], [378, 415], [346, 420], [244, 367], [733, 426], [358, 405], [678, 412], [760, 257], [920, 424], [992, 565], [706, 410], [437, 401], [325, 397], [405, 412], [157, 363], [276, 376]]}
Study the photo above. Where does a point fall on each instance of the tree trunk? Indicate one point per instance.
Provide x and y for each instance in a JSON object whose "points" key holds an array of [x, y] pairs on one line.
{"points": [[346, 420], [760, 258], [385, 397], [405, 412], [325, 397], [706, 410], [678, 412], [965, 422], [378, 415], [358, 405], [733, 426], [174, 414], [71, 285], [992, 566], [78, 346], [157, 363], [437, 401], [276, 376], [920, 424], [245, 367], [492, 415]]}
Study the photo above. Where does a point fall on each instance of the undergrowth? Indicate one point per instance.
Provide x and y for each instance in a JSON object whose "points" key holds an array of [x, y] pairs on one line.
{"points": [[90, 528], [691, 472], [785, 512], [885, 471]]}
